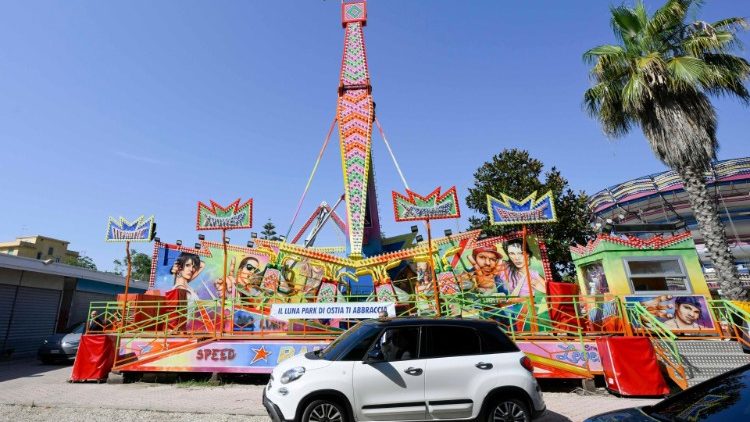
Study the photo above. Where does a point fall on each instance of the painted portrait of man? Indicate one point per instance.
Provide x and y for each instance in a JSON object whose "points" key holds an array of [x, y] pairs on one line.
{"points": [[487, 266]]}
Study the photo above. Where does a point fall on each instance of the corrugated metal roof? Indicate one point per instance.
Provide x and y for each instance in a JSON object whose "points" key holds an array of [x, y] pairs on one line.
{"points": [[39, 266]]}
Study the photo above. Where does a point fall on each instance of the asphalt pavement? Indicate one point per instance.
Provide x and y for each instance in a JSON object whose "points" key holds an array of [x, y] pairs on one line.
{"points": [[31, 391]]}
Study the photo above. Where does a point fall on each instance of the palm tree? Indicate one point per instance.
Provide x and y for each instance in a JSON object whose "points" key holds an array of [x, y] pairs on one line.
{"points": [[659, 77]]}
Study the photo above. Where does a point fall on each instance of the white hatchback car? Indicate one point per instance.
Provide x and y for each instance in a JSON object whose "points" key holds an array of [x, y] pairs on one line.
{"points": [[408, 369]]}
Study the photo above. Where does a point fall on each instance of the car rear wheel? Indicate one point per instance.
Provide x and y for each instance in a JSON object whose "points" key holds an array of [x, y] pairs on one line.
{"points": [[507, 410], [324, 411]]}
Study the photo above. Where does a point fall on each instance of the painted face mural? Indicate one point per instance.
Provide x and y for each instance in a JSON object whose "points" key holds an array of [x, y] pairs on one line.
{"points": [[516, 255], [678, 313], [496, 266], [199, 272]]}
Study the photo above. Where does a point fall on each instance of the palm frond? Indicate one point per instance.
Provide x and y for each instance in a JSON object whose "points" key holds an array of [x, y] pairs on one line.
{"points": [[651, 65], [668, 17], [625, 24], [635, 93], [726, 75], [607, 50], [687, 72], [731, 24], [603, 101], [703, 42]]}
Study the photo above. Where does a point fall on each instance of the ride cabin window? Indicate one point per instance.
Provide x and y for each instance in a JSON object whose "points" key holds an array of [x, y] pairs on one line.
{"points": [[657, 275]]}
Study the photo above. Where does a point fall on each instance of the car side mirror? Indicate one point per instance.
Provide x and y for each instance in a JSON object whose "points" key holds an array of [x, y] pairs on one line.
{"points": [[374, 355]]}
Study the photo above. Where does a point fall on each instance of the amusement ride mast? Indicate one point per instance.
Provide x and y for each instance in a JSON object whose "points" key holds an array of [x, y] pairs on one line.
{"points": [[355, 115]]}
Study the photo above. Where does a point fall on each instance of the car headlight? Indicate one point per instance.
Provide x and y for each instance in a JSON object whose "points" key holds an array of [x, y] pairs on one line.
{"points": [[71, 343], [292, 374]]}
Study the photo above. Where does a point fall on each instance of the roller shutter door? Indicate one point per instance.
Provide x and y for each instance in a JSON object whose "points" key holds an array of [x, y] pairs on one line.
{"points": [[79, 309], [7, 294], [34, 318]]}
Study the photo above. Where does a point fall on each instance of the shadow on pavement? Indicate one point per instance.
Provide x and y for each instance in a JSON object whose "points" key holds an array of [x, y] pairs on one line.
{"points": [[28, 367], [197, 379], [550, 416]]}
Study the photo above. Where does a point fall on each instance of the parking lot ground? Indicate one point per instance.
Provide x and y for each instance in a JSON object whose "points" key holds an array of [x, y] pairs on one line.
{"points": [[31, 391]]}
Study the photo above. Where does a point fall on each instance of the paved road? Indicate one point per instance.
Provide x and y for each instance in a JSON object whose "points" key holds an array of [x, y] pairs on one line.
{"points": [[30, 391]]}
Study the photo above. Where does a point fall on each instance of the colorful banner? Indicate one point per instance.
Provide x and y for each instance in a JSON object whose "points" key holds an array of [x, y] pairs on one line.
{"points": [[233, 216], [527, 211], [434, 206], [199, 272], [226, 356], [583, 355], [495, 266], [139, 230], [678, 313], [350, 310]]}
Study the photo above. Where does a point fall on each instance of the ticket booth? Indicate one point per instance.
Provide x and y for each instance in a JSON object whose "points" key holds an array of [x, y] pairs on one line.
{"points": [[661, 271]]}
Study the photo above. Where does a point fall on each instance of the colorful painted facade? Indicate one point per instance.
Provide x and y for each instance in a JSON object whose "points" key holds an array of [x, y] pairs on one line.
{"points": [[627, 265], [277, 298]]}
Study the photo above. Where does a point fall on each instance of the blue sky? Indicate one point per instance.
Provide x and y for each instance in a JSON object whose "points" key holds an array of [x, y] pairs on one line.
{"points": [[143, 107]]}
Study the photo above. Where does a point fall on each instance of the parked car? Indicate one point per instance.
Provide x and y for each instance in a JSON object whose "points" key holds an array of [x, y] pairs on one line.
{"points": [[408, 369], [61, 347], [722, 398]]}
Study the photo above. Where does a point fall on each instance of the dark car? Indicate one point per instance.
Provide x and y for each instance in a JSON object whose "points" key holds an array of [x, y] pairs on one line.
{"points": [[63, 346], [722, 398]]}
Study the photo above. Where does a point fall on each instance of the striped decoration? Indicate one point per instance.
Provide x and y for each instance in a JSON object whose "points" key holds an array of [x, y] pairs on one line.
{"points": [[355, 114]]}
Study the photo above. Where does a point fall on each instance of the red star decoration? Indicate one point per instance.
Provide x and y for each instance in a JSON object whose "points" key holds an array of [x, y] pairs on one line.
{"points": [[261, 354]]}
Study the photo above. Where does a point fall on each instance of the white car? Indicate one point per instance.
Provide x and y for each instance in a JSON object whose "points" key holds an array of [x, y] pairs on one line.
{"points": [[408, 369]]}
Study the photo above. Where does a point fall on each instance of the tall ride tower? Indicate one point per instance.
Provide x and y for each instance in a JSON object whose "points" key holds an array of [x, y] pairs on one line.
{"points": [[355, 114]]}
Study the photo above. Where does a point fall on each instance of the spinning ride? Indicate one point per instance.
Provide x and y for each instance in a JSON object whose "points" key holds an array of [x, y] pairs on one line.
{"points": [[218, 307]]}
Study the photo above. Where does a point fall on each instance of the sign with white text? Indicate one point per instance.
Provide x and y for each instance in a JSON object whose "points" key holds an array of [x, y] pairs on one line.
{"points": [[350, 310]]}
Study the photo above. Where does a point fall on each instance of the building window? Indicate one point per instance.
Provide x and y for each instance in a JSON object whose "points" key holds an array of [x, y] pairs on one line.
{"points": [[663, 274], [38, 255], [57, 259], [50, 251]]}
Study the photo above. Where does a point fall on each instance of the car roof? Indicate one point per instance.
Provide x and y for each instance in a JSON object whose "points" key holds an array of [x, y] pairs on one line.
{"points": [[411, 321]]}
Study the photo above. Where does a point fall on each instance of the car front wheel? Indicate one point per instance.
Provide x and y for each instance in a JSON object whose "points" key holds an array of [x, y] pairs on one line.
{"points": [[507, 410], [324, 411]]}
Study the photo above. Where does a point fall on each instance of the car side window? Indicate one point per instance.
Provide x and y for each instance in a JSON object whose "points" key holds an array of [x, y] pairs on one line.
{"points": [[358, 350], [78, 329], [400, 343], [495, 341], [447, 341]]}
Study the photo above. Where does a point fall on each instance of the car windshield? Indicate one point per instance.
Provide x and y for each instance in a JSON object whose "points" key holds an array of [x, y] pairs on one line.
{"points": [[356, 335], [725, 398], [77, 328]]}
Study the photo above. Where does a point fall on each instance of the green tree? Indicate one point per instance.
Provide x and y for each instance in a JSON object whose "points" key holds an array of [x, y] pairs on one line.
{"points": [[517, 174], [80, 261], [659, 76], [269, 231], [140, 266]]}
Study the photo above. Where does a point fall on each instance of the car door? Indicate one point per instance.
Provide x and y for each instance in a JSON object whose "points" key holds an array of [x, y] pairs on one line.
{"points": [[458, 375], [391, 387]]}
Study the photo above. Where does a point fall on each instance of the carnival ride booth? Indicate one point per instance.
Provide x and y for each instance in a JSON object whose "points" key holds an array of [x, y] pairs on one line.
{"points": [[221, 307], [660, 272]]}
